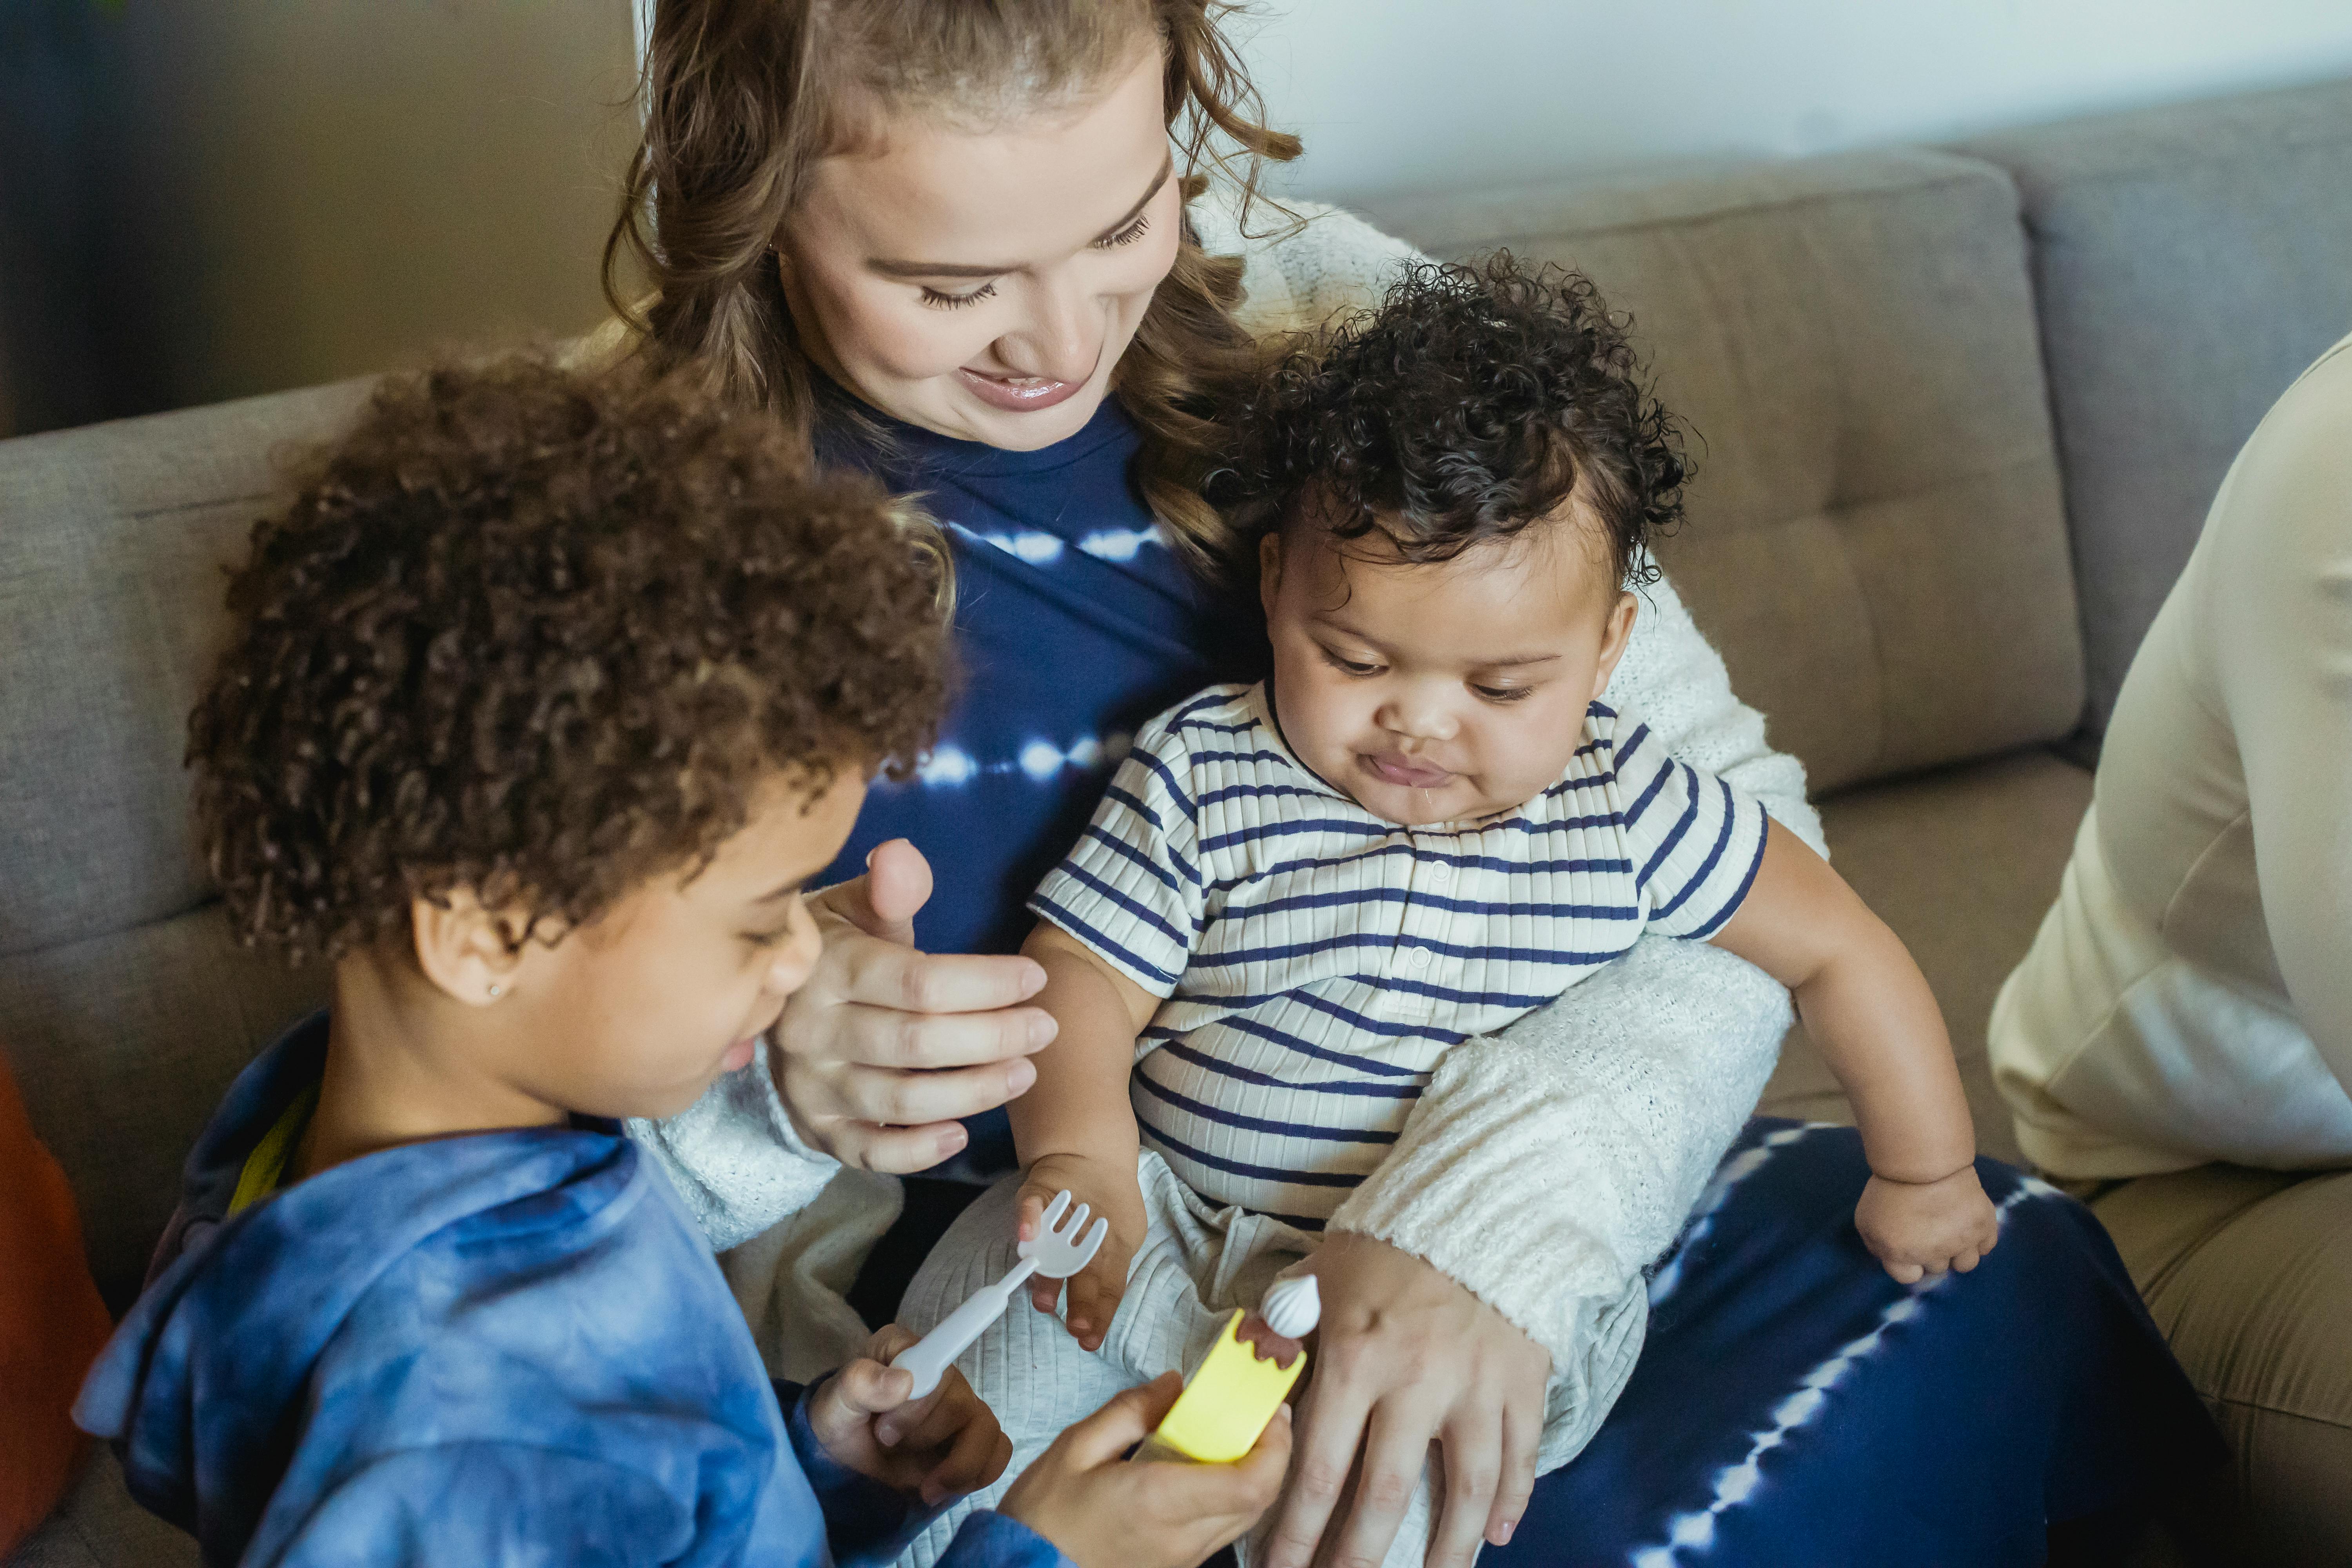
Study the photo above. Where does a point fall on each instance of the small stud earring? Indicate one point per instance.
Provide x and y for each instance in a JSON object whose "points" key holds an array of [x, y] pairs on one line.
{"points": [[497, 992]]}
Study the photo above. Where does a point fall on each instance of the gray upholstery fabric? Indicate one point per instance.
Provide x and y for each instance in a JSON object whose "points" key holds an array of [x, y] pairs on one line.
{"points": [[1875, 540], [124, 1006], [123, 1044], [112, 541], [2189, 263], [1962, 864]]}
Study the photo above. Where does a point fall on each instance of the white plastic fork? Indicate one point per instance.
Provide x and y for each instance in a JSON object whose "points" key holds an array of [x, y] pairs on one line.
{"points": [[1058, 1252]]}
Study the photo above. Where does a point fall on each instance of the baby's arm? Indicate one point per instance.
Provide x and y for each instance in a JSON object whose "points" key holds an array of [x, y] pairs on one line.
{"points": [[1076, 1128], [1869, 1009]]}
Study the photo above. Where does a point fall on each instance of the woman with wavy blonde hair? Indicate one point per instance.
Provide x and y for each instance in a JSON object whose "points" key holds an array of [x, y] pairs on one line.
{"points": [[1005, 254]]}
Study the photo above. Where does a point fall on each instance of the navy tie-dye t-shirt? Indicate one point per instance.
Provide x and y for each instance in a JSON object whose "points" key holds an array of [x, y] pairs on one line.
{"points": [[1075, 622]]}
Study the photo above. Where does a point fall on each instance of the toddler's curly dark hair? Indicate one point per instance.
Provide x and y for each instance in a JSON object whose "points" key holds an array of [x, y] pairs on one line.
{"points": [[543, 635], [1476, 399]]}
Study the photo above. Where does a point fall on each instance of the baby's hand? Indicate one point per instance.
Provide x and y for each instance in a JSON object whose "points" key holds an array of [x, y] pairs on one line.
{"points": [[940, 1445], [1919, 1228], [1111, 1191]]}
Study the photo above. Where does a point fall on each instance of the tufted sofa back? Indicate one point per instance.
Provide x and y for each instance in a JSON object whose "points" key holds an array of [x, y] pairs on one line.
{"points": [[1876, 540]]}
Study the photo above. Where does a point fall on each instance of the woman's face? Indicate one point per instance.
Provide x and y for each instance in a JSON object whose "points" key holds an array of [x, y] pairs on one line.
{"points": [[982, 284]]}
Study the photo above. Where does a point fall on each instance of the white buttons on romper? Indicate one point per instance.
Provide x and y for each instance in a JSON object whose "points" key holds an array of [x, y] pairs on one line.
{"points": [[1420, 959]]}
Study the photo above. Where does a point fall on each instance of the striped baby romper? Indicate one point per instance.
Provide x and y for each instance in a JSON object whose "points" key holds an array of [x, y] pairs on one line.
{"points": [[1316, 960]]}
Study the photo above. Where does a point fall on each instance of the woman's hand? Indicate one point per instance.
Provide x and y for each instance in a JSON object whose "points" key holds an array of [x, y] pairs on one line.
{"points": [[936, 1448], [885, 1048], [1408, 1357], [1104, 1512]]}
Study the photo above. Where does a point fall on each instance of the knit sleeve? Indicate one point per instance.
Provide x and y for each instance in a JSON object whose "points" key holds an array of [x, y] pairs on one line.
{"points": [[1131, 887], [735, 1157], [1302, 262]]}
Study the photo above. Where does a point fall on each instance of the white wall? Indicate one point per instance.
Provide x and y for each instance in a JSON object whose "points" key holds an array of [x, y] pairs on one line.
{"points": [[1413, 95]]}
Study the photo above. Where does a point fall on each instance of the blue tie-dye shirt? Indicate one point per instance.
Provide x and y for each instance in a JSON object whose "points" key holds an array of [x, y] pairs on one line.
{"points": [[505, 1348], [1075, 622]]}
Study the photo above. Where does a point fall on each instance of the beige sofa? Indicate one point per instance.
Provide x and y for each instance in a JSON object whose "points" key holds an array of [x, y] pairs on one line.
{"points": [[1928, 584]]}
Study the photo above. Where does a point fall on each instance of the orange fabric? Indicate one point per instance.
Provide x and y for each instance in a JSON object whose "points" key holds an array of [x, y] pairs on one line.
{"points": [[52, 1324]]}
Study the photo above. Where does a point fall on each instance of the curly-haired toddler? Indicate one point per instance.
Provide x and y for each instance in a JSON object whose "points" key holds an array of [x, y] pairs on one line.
{"points": [[1297, 896]]}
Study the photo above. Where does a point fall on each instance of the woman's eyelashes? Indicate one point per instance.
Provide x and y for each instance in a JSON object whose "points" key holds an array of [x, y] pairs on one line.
{"points": [[941, 300], [938, 300], [1128, 235]]}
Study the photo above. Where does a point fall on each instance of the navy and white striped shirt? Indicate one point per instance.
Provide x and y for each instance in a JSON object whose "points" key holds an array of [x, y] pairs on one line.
{"points": [[1316, 960]]}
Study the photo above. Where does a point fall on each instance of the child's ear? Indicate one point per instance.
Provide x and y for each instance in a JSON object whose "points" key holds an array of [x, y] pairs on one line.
{"points": [[469, 952], [1269, 570], [1613, 638]]}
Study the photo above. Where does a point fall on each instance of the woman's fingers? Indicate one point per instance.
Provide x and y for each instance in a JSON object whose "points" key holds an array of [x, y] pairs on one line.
{"points": [[875, 1036], [893, 1150], [1331, 1423], [1523, 1419], [885, 974], [1472, 1454], [1396, 1451], [894, 1099], [896, 885]]}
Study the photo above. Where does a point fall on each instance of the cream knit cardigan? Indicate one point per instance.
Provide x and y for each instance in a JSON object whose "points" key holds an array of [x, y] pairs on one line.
{"points": [[1545, 1167]]}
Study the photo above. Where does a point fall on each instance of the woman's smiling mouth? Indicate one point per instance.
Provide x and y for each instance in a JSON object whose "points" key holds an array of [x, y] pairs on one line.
{"points": [[1017, 394]]}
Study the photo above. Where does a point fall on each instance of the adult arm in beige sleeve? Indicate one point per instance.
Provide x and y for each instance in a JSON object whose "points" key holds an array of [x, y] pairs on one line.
{"points": [[2278, 631]]}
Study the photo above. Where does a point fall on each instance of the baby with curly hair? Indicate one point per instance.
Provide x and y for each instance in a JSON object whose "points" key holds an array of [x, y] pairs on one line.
{"points": [[541, 701], [1297, 896]]}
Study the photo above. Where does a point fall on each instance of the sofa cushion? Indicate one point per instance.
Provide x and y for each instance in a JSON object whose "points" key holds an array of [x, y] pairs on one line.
{"points": [[1962, 864], [123, 1044], [2190, 262], [125, 1006], [113, 545], [1875, 540]]}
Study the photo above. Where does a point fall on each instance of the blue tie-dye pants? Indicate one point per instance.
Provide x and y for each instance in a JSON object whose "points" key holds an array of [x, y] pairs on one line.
{"points": [[1794, 1406]]}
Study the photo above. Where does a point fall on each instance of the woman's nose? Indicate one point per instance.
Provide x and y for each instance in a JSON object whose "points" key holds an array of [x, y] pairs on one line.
{"points": [[1062, 337]]}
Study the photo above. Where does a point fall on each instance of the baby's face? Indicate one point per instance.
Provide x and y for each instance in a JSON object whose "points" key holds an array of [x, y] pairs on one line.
{"points": [[1437, 693]]}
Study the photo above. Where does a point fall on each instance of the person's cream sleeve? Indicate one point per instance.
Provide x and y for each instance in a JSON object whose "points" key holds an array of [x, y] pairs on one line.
{"points": [[1612, 1105], [2278, 641]]}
